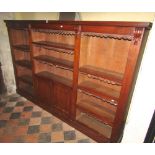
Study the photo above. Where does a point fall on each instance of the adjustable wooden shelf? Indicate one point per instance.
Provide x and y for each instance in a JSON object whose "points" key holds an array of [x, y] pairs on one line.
{"points": [[82, 72]]}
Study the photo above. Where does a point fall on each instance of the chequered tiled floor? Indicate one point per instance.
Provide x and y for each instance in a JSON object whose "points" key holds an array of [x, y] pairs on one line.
{"points": [[23, 122]]}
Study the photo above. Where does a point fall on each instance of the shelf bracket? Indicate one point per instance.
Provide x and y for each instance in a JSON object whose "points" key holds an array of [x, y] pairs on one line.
{"points": [[137, 35]]}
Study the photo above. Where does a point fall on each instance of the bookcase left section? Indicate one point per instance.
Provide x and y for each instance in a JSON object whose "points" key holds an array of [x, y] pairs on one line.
{"points": [[21, 55]]}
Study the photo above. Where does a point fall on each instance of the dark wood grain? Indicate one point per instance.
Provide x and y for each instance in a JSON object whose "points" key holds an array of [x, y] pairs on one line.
{"points": [[26, 78], [28, 90], [62, 102], [44, 98]]}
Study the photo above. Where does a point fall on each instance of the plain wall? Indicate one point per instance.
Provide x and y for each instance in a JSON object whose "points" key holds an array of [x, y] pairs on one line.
{"points": [[37, 16], [91, 16], [142, 103], [5, 54]]}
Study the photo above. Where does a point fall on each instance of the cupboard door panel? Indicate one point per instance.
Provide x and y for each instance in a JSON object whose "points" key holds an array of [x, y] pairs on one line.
{"points": [[43, 92], [62, 97]]}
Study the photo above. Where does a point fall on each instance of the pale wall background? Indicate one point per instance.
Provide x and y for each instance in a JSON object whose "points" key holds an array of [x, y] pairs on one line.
{"points": [[5, 54], [142, 103]]}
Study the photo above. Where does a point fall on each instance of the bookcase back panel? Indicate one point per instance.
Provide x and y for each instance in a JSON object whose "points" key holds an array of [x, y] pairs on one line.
{"points": [[106, 53], [57, 36], [53, 52]]}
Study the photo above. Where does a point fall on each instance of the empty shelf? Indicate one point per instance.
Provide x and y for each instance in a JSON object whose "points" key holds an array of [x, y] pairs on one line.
{"points": [[99, 111], [100, 91], [103, 73], [54, 77], [24, 63], [94, 124], [55, 61], [25, 48], [54, 44]]}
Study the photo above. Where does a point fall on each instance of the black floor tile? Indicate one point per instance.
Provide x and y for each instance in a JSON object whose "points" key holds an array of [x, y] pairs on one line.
{"points": [[44, 138], [24, 122], [2, 123], [15, 115], [69, 135], [28, 108], [33, 129], [83, 141], [8, 109], [57, 127], [13, 99], [36, 114], [20, 103], [46, 120], [2, 103], [19, 140]]}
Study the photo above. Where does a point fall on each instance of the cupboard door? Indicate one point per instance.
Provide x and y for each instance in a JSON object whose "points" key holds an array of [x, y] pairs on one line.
{"points": [[43, 92], [62, 97]]}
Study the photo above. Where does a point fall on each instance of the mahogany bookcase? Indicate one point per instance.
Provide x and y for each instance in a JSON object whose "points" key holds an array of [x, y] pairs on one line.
{"points": [[81, 72]]}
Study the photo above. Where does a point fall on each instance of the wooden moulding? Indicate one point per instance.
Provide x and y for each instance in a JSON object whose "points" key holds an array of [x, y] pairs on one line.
{"points": [[51, 76], [55, 61], [53, 44], [50, 31], [39, 23], [108, 36]]}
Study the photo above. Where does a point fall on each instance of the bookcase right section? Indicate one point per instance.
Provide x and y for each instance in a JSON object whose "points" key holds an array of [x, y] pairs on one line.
{"points": [[103, 59]]}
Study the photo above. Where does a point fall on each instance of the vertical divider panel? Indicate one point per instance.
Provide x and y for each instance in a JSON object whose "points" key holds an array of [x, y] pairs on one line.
{"points": [[31, 57], [127, 83], [76, 70]]}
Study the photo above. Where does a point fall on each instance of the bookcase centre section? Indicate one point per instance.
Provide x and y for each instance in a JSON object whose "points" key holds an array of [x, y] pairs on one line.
{"points": [[53, 57]]}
